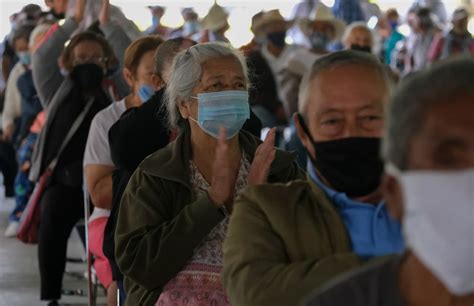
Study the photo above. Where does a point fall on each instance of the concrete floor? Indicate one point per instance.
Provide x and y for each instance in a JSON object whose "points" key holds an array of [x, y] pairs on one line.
{"points": [[19, 273]]}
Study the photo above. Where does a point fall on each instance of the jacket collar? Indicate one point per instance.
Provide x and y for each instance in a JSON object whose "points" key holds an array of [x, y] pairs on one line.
{"points": [[172, 162]]}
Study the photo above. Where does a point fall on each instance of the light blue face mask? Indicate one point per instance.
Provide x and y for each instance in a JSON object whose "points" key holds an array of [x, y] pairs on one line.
{"points": [[24, 57], [229, 109], [145, 92], [191, 27]]}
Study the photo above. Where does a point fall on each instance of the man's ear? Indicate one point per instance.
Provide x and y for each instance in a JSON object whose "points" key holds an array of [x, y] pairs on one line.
{"points": [[157, 82], [303, 136], [128, 77], [393, 195]]}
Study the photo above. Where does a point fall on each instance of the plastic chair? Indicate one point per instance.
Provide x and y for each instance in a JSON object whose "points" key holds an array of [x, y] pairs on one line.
{"points": [[91, 283]]}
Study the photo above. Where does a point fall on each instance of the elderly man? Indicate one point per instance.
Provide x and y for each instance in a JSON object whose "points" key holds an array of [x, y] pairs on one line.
{"points": [[429, 151], [284, 240], [268, 64]]}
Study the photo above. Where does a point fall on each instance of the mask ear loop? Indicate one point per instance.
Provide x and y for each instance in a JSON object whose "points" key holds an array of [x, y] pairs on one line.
{"points": [[305, 127], [306, 131]]}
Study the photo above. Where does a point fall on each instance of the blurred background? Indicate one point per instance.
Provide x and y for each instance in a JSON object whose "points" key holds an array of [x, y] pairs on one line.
{"points": [[241, 12]]}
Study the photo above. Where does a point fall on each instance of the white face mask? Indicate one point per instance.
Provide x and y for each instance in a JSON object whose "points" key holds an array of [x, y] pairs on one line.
{"points": [[438, 223]]}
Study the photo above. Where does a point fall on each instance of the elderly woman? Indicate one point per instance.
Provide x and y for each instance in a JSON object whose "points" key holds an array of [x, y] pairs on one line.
{"points": [[359, 37], [174, 212]]}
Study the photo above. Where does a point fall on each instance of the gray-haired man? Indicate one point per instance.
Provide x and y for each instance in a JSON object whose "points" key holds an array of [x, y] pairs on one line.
{"points": [[284, 240], [429, 151]]}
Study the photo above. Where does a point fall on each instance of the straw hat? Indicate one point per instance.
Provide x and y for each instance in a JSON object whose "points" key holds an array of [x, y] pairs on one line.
{"points": [[459, 14], [215, 19], [323, 13], [268, 18]]}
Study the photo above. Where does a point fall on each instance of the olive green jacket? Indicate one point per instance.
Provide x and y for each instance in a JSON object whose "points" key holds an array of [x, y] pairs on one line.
{"points": [[283, 241], [161, 222]]}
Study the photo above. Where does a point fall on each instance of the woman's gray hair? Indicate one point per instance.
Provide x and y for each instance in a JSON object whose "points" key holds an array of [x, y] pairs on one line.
{"points": [[186, 72], [415, 97], [357, 25], [335, 60]]}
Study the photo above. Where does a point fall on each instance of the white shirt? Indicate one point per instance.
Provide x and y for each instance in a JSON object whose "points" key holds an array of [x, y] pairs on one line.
{"points": [[12, 106], [279, 64], [97, 147]]}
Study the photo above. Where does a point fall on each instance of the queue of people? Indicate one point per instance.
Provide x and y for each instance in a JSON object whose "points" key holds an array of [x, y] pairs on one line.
{"points": [[327, 171]]}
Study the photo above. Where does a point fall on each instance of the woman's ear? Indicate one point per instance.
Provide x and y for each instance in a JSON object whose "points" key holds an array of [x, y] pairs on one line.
{"points": [[129, 78], [184, 109], [157, 82]]}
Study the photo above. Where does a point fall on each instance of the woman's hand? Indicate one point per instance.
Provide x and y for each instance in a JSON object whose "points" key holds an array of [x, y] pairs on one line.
{"points": [[224, 173], [104, 12], [79, 12], [264, 156]]}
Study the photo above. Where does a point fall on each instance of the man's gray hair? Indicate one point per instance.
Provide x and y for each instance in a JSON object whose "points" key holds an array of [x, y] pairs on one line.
{"points": [[186, 72], [415, 97], [335, 60]]}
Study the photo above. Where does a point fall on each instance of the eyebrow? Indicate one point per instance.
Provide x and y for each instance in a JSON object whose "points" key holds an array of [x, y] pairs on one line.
{"points": [[220, 76], [335, 110]]}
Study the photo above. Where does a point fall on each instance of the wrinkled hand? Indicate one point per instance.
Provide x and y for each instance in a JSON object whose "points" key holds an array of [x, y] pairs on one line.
{"points": [[224, 173], [264, 156], [79, 12], [104, 12]]}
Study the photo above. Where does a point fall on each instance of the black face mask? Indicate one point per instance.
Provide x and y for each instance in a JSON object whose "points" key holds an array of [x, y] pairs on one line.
{"points": [[277, 38], [367, 49], [350, 165], [88, 77]]}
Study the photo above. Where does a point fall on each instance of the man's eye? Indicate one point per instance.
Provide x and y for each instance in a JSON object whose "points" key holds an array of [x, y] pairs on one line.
{"points": [[331, 121]]}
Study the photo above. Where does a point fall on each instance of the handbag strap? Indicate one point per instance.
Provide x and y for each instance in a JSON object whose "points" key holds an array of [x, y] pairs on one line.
{"points": [[75, 126]]}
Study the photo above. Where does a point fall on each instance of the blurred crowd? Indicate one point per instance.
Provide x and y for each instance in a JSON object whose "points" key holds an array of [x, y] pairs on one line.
{"points": [[246, 175]]}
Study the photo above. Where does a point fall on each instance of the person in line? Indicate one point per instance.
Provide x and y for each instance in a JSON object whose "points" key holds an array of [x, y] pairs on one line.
{"points": [[419, 42], [98, 164], [429, 156], [214, 26], [286, 239], [130, 143], [388, 31], [156, 27], [267, 65], [359, 37], [191, 24], [67, 100], [348, 11], [174, 211], [258, 39], [11, 114], [457, 42], [26, 138]]}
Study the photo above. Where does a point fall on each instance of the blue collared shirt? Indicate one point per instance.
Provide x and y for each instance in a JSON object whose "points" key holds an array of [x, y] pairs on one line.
{"points": [[373, 232]]}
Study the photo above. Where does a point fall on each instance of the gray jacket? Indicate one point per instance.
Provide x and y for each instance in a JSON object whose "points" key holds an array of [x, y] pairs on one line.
{"points": [[52, 86]]}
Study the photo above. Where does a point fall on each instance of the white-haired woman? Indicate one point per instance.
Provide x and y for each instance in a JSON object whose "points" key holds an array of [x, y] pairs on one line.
{"points": [[175, 210]]}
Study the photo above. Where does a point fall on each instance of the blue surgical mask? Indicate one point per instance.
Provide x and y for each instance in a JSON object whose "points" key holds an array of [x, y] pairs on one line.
{"points": [[145, 92], [25, 58], [155, 21], [229, 109], [191, 27]]}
